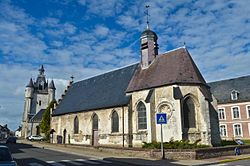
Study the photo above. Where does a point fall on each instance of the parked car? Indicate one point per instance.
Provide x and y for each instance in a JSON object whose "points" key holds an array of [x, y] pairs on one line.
{"points": [[11, 140], [35, 138], [5, 157]]}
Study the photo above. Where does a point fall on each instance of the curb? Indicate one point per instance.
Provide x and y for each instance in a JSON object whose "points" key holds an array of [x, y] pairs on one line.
{"points": [[226, 161], [232, 160]]}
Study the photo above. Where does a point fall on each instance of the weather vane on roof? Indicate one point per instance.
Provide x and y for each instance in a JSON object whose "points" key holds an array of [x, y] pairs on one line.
{"points": [[147, 13], [72, 78]]}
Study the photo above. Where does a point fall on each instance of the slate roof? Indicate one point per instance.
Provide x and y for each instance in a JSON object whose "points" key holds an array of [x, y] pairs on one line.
{"points": [[103, 91], [30, 84], [38, 116], [222, 89], [52, 85], [174, 67]]}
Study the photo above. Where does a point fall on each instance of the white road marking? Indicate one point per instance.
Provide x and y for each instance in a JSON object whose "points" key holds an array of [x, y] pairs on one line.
{"points": [[35, 164], [103, 161], [87, 161], [54, 163]]}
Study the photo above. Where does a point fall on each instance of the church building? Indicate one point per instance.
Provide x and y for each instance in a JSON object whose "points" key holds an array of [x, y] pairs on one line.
{"points": [[38, 95], [119, 108]]}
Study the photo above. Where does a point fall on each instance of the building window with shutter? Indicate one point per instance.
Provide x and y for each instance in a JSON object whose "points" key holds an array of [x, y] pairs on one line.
{"points": [[222, 115], [142, 116], [237, 130], [115, 122], [235, 112], [223, 130]]}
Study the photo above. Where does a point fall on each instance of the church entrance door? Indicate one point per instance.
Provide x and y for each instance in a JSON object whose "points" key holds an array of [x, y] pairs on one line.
{"points": [[95, 136]]}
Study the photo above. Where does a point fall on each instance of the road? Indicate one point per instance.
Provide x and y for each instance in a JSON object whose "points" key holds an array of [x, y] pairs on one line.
{"points": [[236, 163], [27, 155]]}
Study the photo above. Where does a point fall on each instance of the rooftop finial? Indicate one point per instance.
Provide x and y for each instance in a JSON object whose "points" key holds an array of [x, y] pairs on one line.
{"points": [[72, 80], [147, 14], [41, 70]]}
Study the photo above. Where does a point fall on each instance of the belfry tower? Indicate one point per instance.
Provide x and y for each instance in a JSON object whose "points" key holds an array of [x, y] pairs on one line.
{"points": [[149, 46], [38, 95]]}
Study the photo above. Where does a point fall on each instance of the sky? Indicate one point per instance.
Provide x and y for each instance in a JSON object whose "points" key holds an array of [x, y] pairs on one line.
{"points": [[84, 38]]}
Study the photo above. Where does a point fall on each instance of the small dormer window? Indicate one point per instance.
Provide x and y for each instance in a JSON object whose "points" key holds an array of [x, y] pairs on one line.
{"points": [[234, 95]]}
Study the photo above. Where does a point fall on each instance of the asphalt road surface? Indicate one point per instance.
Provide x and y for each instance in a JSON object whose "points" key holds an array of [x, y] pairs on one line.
{"points": [[236, 163], [27, 155]]}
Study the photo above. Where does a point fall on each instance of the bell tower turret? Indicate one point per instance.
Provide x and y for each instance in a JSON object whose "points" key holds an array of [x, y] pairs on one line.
{"points": [[51, 91], [29, 89], [149, 46]]}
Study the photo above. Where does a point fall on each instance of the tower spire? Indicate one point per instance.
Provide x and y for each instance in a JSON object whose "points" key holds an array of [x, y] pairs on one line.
{"points": [[147, 14], [41, 71]]}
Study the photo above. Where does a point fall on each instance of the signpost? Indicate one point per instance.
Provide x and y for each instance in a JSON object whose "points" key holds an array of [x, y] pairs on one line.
{"points": [[161, 118]]}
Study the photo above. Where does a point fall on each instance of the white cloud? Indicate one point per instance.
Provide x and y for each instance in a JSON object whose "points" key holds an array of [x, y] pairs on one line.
{"points": [[101, 30], [216, 34], [105, 8]]}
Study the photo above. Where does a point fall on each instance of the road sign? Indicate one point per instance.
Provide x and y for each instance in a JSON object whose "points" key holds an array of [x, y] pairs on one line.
{"points": [[161, 118]]}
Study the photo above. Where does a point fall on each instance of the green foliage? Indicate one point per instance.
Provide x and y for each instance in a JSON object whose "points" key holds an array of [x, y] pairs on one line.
{"points": [[232, 142], [246, 142], [183, 144], [45, 123], [153, 145], [228, 142]]}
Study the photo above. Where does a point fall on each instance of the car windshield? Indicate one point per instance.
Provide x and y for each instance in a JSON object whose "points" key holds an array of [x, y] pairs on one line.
{"points": [[5, 155]]}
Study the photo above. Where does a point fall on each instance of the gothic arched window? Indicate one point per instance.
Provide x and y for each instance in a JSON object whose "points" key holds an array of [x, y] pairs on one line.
{"points": [[189, 113], [142, 116], [95, 122], [115, 122], [76, 125]]}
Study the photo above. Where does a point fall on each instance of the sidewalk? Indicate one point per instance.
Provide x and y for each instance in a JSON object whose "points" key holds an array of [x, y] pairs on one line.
{"points": [[99, 154]]}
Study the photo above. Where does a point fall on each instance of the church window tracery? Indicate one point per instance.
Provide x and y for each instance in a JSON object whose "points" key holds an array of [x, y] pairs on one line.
{"points": [[115, 122], [95, 122], [142, 116], [76, 125], [189, 113]]}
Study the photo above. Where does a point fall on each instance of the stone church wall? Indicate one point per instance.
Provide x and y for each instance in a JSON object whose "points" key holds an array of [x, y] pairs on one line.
{"points": [[162, 100], [85, 135], [156, 100]]}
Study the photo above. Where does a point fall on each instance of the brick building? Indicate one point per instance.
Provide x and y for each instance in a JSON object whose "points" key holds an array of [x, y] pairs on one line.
{"points": [[233, 97]]}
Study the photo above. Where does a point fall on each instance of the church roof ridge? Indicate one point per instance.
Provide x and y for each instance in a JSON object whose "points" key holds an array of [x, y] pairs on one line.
{"points": [[102, 91], [108, 71], [175, 49], [173, 67]]}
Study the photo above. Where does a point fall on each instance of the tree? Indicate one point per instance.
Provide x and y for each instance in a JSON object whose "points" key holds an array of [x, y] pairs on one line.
{"points": [[45, 123]]}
